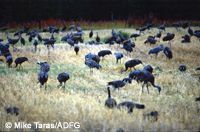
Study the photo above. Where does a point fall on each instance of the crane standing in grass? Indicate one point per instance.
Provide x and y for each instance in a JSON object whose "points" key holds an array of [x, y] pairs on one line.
{"points": [[91, 34], [118, 83], [76, 49], [43, 74], [110, 102], [145, 77], [19, 61], [62, 78], [132, 64], [169, 37], [118, 56], [168, 52], [156, 50], [92, 64]]}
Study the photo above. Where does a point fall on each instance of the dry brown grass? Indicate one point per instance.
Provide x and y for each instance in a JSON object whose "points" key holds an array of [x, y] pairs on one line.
{"points": [[85, 93]]}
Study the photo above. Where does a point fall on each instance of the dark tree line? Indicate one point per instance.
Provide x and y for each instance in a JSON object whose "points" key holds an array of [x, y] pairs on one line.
{"points": [[27, 10]]}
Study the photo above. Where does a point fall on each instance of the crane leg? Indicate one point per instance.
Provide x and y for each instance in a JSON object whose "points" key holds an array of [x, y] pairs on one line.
{"points": [[64, 84], [148, 88], [141, 91], [45, 86], [143, 87]]}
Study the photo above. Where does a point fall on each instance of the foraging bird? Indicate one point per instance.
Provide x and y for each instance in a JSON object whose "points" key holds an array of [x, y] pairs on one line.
{"points": [[78, 28], [128, 42], [33, 34], [110, 102], [134, 35], [98, 38], [149, 25], [129, 105], [158, 35], [184, 25], [128, 45], [70, 42], [91, 34], [12, 110], [92, 64], [153, 115], [190, 31], [4, 49], [168, 52], [145, 77], [156, 50], [103, 53], [148, 68], [62, 78], [72, 27], [12, 41], [22, 40], [110, 41], [197, 34], [93, 57], [21, 31], [127, 80], [69, 39], [20, 60], [118, 56], [186, 39], [135, 75], [122, 37], [9, 59], [162, 27], [128, 48], [169, 37], [44, 66], [182, 68], [53, 29], [151, 40], [118, 83], [42, 78], [142, 29], [132, 63], [148, 77], [176, 25], [77, 37], [50, 42], [76, 49], [64, 28]]}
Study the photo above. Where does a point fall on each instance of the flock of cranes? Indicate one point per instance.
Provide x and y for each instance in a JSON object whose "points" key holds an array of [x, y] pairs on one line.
{"points": [[75, 36]]}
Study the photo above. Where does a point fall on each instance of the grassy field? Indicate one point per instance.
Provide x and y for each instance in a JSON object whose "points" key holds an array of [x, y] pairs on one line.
{"points": [[84, 96]]}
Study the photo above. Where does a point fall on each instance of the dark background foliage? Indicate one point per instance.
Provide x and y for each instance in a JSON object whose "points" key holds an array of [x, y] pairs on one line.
{"points": [[93, 10]]}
